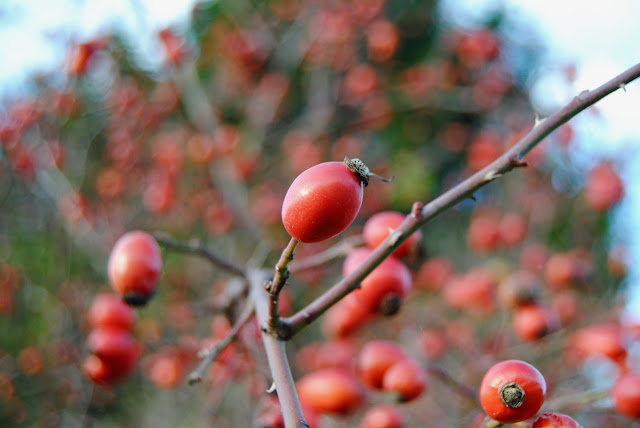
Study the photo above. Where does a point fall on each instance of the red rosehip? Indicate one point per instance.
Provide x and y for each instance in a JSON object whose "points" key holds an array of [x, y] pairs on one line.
{"points": [[626, 395], [134, 267], [383, 289], [603, 188], [383, 416], [374, 360], [108, 310], [381, 225], [322, 202], [332, 390], [407, 378], [512, 391], [555, 420], [115, 355], [532, 322]]}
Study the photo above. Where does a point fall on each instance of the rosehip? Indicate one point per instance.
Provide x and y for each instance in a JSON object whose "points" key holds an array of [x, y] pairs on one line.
{"points": [[512, 391], [134, 267]]}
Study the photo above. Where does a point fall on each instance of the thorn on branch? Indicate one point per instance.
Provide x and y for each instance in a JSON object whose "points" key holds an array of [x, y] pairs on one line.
{"points": [[416, 209], [623, 87], [492, 175], [194, 378], [473, 198], [272, 388], [517, 163]]}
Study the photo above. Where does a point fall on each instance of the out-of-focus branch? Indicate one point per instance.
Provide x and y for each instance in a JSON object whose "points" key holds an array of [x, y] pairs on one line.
{"points": [[420, 213], [194, 246], [461, 388], [340, 249], [210, 354], [577, 400]]}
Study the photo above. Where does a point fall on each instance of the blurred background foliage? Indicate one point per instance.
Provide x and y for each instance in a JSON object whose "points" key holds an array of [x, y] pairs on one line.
{"points": [[251, 94]]}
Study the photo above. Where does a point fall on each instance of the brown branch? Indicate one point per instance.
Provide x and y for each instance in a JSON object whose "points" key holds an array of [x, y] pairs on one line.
{"points": [[209, 355], [420, 214], [194, 246], [276, 355]]}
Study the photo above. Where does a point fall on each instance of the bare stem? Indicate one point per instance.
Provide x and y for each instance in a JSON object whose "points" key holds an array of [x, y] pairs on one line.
{"points": [[276, 356], [274, 286], [459, 387], [194, 246], [340, 249], [511, 159], [209, 355], [578, 399]]}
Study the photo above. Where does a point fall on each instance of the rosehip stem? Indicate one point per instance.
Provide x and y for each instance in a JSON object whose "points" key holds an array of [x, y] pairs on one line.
{"points": [[420, 214]]}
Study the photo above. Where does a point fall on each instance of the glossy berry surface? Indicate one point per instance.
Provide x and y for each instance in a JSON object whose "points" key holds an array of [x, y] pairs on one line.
{"points": [[512, 391], [322, 202], [134, 267]]}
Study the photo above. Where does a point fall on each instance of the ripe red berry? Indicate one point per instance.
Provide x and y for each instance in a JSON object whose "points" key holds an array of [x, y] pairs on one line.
{"points": [[407, 378], [603, 188], [532, 322], [115, 355], [374, 360], [134, 267], [332, 390], [383, 416], [381, 225], [512, 391], [108, 310], [383, 289], [555, 420], [322, 202], [626, 395]]}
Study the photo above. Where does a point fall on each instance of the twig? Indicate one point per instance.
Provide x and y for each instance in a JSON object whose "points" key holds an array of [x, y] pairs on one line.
{"points": [[460, 388], [276, 356], [280, 276], [420, 214], [209, 355], [578, 399], [340, 249], [194, 246]]}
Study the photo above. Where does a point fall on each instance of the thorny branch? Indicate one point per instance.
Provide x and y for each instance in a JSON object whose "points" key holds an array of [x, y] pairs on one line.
{"points": [[420, 213]]}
